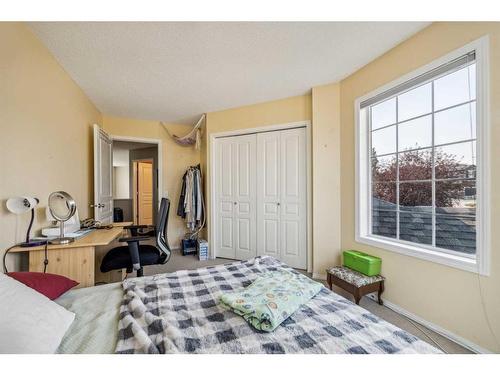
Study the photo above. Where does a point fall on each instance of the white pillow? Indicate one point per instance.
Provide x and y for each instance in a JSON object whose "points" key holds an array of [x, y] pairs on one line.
{"points": [[29, 321]]}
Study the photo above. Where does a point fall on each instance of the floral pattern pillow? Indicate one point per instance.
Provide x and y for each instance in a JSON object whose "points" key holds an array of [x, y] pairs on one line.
{"points": [[271, 298]]}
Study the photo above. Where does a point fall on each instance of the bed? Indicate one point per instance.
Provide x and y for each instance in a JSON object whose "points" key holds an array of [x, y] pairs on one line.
{"points": [[179, 313]]}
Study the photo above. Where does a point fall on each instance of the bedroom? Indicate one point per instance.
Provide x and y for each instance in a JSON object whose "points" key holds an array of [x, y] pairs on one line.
{"points": [[295, 123]]}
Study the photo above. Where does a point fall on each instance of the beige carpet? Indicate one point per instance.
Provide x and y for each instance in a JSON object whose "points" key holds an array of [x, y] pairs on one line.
{"points": [[179, 262]]}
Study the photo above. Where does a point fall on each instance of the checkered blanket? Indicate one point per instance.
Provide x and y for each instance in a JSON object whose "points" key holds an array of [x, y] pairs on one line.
{"points": [[180, 313]]}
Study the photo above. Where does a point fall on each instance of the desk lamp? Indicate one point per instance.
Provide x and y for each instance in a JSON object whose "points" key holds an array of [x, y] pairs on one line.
{"points": [[21, 205]]}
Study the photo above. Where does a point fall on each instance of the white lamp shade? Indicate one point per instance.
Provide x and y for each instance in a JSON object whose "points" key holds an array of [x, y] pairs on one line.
{"points": [[20, 205]]}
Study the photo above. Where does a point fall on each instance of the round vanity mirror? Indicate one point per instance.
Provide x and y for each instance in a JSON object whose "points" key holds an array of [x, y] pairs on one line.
{"points": [[62, 207]]}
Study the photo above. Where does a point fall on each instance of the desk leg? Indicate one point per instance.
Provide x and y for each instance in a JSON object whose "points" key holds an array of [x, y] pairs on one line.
{"points": [[75, 263]]}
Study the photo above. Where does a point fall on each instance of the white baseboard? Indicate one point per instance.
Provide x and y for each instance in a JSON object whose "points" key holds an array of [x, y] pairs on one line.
{"points": [[319, 276], [434, 327]]}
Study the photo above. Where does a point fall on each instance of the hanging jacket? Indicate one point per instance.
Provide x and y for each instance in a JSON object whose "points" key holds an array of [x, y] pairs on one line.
{"points": [[199, 207], [180, 206]]}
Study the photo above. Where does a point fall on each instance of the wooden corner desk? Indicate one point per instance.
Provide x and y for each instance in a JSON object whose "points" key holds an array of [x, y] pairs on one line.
{"points": [[77, 260]]}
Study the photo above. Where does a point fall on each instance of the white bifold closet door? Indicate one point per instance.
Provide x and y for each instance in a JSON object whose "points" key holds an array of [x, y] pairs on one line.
{"points": [[282, 196], [236, 197], [261, 197]]}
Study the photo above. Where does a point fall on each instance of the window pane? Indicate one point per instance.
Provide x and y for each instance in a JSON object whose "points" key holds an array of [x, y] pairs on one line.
{"points": [[415, 165], [456, 233], [472, 80], [415, 134], [456, 161], [415, 196], [384, 196], [384, 223], [384, 114], [415, 102], [415, 227], [456, 197], [384, 168], [384, 141], [455, 124], [453, 89]]}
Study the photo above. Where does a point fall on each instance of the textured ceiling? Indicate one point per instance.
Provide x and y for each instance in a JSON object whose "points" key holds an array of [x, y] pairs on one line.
{"points": [[175, 71]]}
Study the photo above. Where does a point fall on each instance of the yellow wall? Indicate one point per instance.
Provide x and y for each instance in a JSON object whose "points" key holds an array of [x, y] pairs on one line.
{"points": [[326, 177], [297, 108], [45, 142], [442, 295], [176, 159]]}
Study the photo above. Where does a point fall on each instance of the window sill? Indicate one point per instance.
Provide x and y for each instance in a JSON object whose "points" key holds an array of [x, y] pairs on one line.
{"points": [[450, 260]]}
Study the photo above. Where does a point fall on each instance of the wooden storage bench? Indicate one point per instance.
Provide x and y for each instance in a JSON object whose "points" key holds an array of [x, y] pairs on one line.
{"points": [[355, 283]]}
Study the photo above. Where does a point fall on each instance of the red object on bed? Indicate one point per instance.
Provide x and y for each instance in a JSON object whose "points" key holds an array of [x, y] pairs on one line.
{"points": [[48, 284]]}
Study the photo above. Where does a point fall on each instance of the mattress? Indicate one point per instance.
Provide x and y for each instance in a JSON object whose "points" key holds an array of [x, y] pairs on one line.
{"points": [[95, 327]]}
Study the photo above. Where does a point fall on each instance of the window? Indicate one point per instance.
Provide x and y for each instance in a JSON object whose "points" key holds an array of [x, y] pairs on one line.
{"points": [[422, 176]]}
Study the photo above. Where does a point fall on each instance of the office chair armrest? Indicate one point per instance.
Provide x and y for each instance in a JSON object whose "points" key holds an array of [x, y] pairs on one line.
{"points": [[136, 226], [134, 239], [134, 229]]}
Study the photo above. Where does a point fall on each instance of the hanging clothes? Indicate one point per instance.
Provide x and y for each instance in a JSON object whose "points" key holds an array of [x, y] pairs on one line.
{"points": [[191, 205], [198, 195], [180, 206]]}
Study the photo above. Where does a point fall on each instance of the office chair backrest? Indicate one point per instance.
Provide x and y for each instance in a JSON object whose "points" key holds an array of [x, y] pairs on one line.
{"points": [[161, 229]]}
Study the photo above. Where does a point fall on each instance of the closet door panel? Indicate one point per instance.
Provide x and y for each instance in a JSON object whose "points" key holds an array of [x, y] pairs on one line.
{"points": [[244, 156], [293, 213], [225, 234], [268, 194]]}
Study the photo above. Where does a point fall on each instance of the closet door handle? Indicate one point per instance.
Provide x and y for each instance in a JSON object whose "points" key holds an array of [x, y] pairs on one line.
{"points": [[235, 203], [278, 203]]}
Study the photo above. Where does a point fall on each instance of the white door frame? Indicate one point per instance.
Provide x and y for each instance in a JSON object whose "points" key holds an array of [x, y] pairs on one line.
{"points": [[262, 129], [154, 141]]}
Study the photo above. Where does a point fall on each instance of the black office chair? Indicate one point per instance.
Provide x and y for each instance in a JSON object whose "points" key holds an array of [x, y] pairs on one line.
{"points": [[138, 255]]}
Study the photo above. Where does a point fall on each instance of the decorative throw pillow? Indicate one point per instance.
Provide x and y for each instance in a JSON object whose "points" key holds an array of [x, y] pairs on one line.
{"points": [[50, 285], [29, 321]]}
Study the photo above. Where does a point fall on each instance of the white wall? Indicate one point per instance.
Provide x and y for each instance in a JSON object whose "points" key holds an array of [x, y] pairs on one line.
{"points": [[121, 183], [121, 173], [120, 157]]}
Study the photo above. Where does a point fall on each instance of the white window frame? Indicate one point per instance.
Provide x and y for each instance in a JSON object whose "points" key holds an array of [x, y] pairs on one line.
{"points": [[481, 262]]}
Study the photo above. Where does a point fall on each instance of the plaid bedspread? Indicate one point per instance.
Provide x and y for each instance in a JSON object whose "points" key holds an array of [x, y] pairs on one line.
{"points": [[180, 313]]}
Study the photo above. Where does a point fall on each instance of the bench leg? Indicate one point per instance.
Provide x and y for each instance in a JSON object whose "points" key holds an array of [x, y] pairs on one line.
{"points": [[380, 291], [357, 296], [329, 281]]}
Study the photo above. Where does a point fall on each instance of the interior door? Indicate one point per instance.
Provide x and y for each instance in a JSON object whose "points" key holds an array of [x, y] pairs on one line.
{"points": [[293, 198], [236, 197], [103, 176], [245, 231], [145, 192], [224, 169], [268, 193]]}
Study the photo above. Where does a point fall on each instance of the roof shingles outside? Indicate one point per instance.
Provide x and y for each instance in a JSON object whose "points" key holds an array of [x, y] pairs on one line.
{"points": [[453, 232]]}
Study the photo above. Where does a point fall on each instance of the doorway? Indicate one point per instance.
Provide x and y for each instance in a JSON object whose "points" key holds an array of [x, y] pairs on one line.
{"points": [[135, 181]]}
